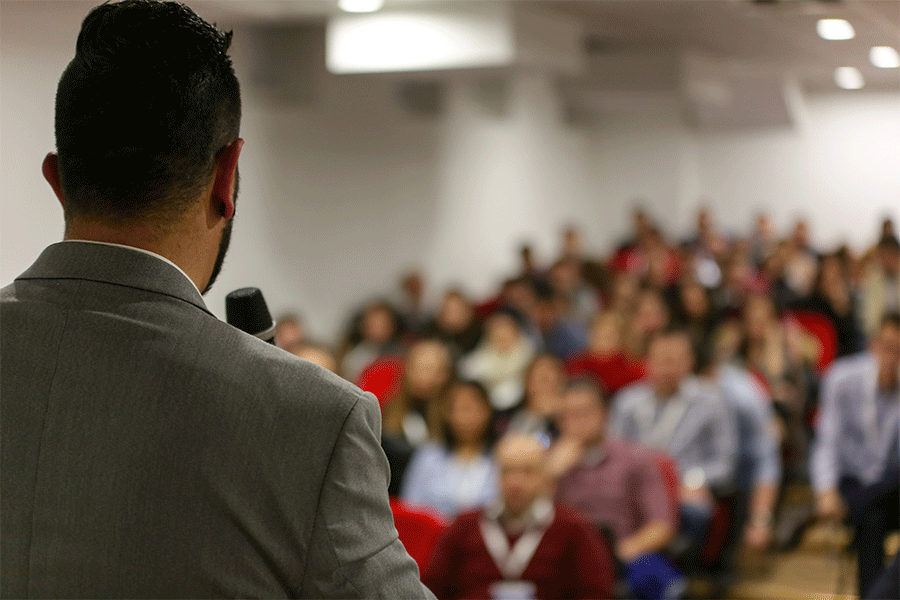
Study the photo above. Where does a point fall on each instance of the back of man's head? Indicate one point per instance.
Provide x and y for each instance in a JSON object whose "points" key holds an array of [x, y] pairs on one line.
{"points": [[142, 110]]}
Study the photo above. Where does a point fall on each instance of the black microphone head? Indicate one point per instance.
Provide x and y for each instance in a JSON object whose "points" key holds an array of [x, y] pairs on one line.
{"points": [[246, 309]]}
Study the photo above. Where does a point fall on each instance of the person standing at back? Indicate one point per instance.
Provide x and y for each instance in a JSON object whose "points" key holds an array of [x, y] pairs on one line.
{"points": [[149, 449]]}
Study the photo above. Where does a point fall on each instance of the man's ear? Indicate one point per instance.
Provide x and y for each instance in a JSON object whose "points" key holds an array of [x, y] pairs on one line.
{"points": [[50, 169], [226, 178]]}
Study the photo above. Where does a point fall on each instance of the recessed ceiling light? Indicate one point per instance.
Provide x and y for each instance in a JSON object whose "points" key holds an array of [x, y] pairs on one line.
{"points": [[360, 6], [835, 29], [848, 78], [884, 57]]}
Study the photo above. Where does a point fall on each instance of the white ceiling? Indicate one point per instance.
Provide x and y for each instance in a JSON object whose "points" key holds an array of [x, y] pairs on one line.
{"points": [[731, 62]]}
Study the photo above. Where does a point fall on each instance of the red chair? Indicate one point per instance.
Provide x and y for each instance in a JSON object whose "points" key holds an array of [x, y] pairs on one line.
{"points": [[419, 530], [719, 532], [672, 478], [820, 327], [383, 378]]}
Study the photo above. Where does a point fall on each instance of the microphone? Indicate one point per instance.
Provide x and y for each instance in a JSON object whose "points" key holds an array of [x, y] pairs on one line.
{"points": [[246, 309]]}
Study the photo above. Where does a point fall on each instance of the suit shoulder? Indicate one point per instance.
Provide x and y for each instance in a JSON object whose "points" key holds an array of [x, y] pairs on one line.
{"points": [[259, 368]]}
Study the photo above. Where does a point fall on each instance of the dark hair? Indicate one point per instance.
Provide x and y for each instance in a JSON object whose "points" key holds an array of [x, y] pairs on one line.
{"points": [[889, 242], [590, 384], [142, 111], [891, 319], [490, 430]]}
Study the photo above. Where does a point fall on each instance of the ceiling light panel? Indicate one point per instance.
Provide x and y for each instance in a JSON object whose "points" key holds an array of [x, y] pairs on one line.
{"points": [[835, 29], [884, 57], [848, 78]]}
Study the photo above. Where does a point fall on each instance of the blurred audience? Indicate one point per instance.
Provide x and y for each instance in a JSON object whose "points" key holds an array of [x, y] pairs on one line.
{"points": [[561, 334], [456, 324], [833, 297], [619, 488], [675, 412], [537, 412], [414, 415], [605, 358], [783, 355], [414, 313], [456, 472], [500, 360], [764, 313], [522, 546], [855, 470], [376, 334], [290, 333], [317, 354], [881, 286], [651, 315]]}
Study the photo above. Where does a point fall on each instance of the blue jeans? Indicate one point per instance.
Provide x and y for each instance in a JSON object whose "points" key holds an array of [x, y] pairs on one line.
{"points": [[653, 577]]}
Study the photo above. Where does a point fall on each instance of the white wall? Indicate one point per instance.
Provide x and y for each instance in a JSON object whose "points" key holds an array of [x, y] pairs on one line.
{"points": [[340, 195], [839, 169]]}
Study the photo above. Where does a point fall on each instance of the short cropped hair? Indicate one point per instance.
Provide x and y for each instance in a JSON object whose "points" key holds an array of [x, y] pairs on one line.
{"points": [[142, 111]]}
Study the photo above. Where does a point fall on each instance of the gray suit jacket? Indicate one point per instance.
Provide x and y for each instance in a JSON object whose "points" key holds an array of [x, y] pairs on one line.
{"points": [[151, 450]]}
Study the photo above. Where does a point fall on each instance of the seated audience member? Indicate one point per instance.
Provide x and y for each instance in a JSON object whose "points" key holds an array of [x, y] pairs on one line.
{"points": [[758, 472], [763, 240], [411, 305], [801, 262], [783, 355], [456, 473], [855, 457], [605, 358], [544, 383], [520, 547], [317, 354], [499, 362], [520, 296], [561, 336], [833, 298], [572, 246], [456, 324], [694, 311], [674, 411], [740, 279], [651, 315], [881, 284], [580, 299], [378, 336], [289, 332], [413, 415], [650, 259], [618, 487], [529, 267], [624, 295]]}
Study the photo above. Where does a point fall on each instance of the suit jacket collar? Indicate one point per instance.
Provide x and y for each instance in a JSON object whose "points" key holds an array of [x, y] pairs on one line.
{"points": [[116, 265]]}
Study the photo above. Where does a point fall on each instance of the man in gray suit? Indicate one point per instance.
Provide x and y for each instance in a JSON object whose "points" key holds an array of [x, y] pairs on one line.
{"points": [[149, 449]]}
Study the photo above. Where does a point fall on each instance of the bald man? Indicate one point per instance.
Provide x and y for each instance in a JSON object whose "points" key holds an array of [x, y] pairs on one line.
{"points": [[522, 546]]}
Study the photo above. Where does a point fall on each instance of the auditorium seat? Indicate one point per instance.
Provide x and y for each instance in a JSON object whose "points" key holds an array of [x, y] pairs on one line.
{"points": [[419, 530], [821, 328], [383, 378]]}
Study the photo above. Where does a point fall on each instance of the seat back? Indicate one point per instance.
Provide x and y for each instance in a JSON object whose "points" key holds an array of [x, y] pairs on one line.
{"points": [[418, 528], [383, 378]]}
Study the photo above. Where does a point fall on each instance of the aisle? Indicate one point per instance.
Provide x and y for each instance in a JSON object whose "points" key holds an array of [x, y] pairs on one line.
{"points": [[817, 569]]}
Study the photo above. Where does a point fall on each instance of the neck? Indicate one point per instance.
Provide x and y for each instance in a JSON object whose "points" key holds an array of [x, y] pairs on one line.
{"points": [[178, 248], [468, 450], [887, 381]]}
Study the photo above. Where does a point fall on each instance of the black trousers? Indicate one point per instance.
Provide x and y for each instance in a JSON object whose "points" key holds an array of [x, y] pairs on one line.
{"points": [[873, 511]]}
